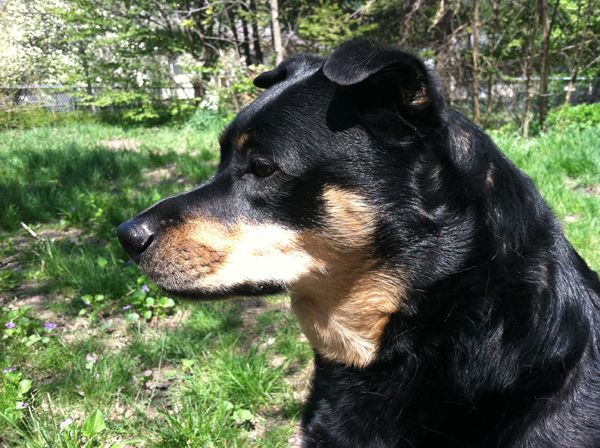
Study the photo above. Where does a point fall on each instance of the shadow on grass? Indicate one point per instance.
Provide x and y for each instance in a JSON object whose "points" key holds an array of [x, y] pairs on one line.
{"points": [[78, 184]]}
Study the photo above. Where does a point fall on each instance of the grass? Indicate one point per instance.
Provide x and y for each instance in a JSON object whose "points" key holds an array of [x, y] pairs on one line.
{"points": [[124, 365]]}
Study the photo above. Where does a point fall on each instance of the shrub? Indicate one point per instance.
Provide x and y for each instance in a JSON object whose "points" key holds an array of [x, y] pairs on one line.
{"points": [[578, 117], [126, 107], [28, 117], [206, 119]]}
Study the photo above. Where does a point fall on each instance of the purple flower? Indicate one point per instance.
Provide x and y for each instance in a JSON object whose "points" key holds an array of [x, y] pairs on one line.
{"points": [[65, 423], [145, 288], [10, 369], [49, 326], [10, 324], [22, 405], [127, 307]]}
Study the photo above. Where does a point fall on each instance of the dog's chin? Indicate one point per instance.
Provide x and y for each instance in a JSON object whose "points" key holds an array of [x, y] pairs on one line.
{"points": [[240, 290]]}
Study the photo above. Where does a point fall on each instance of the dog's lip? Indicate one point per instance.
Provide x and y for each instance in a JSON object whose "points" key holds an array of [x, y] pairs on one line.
{"points": [[144, 256], [241, 290]]}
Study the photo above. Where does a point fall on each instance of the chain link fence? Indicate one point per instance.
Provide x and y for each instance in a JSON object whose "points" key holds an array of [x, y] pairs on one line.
{"points": [[503, 102]]}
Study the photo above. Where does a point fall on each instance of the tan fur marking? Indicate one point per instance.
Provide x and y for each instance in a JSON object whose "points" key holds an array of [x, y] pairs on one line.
{"points": [[345, 304], [241, 140], [208, 256]]}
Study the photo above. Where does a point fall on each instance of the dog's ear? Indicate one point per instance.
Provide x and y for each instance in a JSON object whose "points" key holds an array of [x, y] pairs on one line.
{"points": [[271, 77], [288, 69], [385, 77]]}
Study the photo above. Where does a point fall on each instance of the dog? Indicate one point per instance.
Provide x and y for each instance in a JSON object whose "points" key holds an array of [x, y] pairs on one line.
{"points": [[444, 304]]}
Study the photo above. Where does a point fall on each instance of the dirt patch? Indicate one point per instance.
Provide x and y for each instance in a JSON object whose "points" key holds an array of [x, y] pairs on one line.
{"points": [[251, 308], [121, 144], [25, 238], [589, 189], [158, 175], [592, 189], [570, 219]]}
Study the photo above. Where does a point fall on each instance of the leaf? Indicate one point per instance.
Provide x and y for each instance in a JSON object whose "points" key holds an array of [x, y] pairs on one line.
{"points": [[187, 363], [24, 386], [133, 317], [102, 262], [149, 301], [32, 340], [94, 424], [242, 415], [148, 315], [13, 377], [228, 405], [166, 302]]}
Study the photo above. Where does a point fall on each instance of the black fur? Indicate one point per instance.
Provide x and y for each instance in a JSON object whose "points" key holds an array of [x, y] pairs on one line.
{"points": [[496, 344]]}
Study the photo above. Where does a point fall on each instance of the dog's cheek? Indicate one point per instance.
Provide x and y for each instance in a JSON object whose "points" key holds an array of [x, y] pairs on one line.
{"points": [[263, 254]]}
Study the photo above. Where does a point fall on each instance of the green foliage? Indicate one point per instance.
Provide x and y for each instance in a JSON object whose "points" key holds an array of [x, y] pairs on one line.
{"points": [[14, 396], [206, 119], [139, 107], [148, 302], [19, 325], [28, 117], [94, 424], [329, 25], [580, 117]]}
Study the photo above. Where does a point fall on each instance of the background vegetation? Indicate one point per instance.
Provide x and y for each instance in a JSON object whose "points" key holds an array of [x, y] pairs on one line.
{"points": [[106, 107], [503, 62]]}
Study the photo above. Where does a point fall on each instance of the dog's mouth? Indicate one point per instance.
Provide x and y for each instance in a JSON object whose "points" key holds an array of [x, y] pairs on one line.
{"points": [[202, 260], [242, 290]]}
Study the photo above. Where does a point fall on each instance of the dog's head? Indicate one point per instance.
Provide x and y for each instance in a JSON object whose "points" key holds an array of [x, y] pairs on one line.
{"points": [[331, 184]]}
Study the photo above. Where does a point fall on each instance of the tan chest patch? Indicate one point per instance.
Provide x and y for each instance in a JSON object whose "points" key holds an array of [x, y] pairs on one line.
{"points": [[344, 307]]}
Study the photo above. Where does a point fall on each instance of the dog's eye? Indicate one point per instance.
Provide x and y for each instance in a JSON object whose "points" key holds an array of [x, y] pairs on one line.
{"points": [[262, 168]]}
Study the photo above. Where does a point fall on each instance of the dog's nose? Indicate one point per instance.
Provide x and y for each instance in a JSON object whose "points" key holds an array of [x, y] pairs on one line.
{"points": [[135, 236]]}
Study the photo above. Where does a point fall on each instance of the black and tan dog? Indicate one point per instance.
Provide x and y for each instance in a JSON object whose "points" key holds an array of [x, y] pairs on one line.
{"points": [[445, 306]]}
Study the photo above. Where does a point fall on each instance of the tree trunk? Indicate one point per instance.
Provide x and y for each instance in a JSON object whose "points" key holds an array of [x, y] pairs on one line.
{"points": [[528, 46], [545, 58], [246, 41], [198, 86], [527, 114], [236, 37], [580, 46], [277, 44], [258, 54], [492, 62], [89, 88], [475, 70]]}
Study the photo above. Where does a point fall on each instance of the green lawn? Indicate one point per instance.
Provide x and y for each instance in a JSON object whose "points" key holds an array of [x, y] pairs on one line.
{"points": [[97, 357]]}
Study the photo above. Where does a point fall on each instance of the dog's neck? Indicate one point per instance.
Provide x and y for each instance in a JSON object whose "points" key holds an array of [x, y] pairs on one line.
{"points": [[343, 314]]}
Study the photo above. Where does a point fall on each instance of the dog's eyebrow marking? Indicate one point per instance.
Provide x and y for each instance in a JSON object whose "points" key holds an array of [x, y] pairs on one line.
{"points": [[241, 140]]}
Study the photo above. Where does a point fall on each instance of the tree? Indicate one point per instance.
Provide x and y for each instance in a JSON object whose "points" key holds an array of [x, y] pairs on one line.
{"points": [[277, 43], [475, 54]]}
